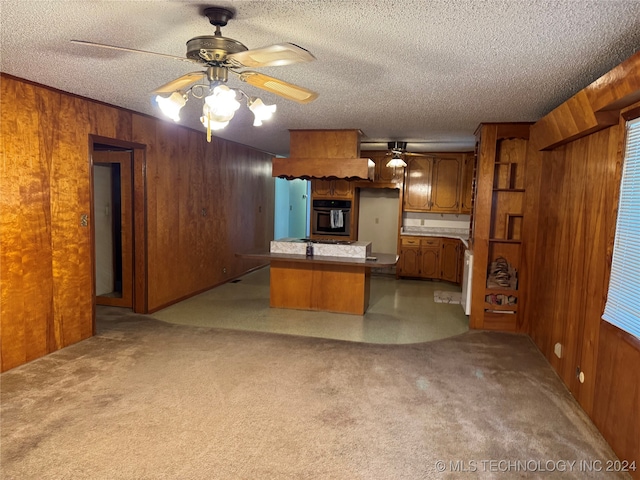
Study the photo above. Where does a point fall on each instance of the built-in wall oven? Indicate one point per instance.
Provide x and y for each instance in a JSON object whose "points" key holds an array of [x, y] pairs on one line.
{"points": [[331, 217]]}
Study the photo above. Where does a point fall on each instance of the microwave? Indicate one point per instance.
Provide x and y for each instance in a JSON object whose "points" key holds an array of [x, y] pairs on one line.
{"points": [[331, 217]]}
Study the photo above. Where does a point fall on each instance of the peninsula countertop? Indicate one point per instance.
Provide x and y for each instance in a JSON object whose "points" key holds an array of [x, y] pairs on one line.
{"points": [[381, 259]]}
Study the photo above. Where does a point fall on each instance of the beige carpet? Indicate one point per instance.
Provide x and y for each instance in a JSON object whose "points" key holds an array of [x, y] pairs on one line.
{"points": [[149, 400]]}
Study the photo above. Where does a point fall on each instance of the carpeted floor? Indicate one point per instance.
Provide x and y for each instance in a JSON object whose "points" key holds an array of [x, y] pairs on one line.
{"points": [[145, 399]]}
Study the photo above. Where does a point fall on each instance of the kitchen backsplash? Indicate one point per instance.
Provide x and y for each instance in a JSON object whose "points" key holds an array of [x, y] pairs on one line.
{"points": [[416, 219]]}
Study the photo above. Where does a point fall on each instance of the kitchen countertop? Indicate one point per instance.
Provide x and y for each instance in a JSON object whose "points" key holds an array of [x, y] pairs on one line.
{"points": [[459, 233], [322, 248], [382, 259]]}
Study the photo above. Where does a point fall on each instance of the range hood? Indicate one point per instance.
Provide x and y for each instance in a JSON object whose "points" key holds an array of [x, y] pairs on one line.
{"points": [[324, 154]]}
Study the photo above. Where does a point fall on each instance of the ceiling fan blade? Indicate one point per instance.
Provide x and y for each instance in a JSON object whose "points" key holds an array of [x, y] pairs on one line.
{"points": [[279, 87], [271, 56], [180, 83], [418, 154], [132, 50]]}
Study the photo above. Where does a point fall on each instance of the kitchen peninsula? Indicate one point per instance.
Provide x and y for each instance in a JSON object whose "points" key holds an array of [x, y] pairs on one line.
{"points": [[335, 278]]}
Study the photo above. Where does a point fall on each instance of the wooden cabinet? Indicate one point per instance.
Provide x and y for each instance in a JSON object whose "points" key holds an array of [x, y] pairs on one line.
{"points": [[419, 257], [445, 184], [468, 176], [430, 257], [449, 259], [382, 173], [496, 223], [461, 261], [409, 261], [417, 184], [336, 188], [433, 183]]}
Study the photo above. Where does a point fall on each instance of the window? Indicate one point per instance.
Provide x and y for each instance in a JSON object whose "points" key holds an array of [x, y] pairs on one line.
{"points": [[623, 300]]}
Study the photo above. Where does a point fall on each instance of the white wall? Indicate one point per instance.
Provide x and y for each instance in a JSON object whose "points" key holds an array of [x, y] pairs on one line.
{"points": [[102, 212], [291, 208], [298, 208], [378, 219], [440, 220], [281, 207]]}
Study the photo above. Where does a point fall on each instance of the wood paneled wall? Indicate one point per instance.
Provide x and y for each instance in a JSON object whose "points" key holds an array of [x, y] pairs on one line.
{"points": [[570, 206], [46, 271], [205, 203]]}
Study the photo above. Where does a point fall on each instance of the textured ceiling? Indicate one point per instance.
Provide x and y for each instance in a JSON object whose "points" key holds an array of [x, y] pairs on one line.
{"points": [[422, 71]]}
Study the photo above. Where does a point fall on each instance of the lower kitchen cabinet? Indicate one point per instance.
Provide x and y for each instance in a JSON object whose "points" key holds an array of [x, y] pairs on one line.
{"points": [[449, 260], [419, 257], [410, 260], [430, 257]]}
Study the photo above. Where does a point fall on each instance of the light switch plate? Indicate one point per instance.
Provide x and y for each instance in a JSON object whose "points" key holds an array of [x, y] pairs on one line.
{"points": [[557, 349]]}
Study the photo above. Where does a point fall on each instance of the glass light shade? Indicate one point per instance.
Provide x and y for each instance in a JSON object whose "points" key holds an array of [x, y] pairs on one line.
{"points": [[171, 105], [213, 124], [260, 111], [219, 107], [396, 162]]}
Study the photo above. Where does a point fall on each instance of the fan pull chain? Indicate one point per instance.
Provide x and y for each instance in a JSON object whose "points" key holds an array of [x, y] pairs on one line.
{"points": [[209, 127]]}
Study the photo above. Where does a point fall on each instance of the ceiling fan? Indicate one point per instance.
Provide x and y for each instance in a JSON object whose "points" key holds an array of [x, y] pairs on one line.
{"points": [[397, 152], [220, 55]]}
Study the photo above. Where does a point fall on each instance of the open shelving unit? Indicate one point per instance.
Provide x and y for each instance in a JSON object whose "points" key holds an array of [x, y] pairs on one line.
{"points": [[497, 223]]}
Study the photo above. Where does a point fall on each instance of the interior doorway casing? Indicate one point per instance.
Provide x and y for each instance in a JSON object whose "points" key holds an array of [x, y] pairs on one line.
{"points": [[131, 167], [113, 225]]}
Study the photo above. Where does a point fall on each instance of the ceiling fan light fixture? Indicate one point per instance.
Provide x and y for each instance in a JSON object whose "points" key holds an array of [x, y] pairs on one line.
{"points": [[261, 111], [397, 146], [212, 124], [219, 107], [396, 161], [171, 105]]}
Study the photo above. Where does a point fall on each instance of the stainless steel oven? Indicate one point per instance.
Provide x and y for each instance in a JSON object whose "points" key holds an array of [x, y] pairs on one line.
{"points": [[331, 217]]}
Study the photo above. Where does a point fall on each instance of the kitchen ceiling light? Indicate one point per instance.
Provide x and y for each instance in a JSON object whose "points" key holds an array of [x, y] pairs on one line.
{"points": [[396, 161]]}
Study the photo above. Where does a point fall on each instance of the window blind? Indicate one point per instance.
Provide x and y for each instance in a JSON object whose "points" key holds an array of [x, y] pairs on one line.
{"points": [[623, 301]]}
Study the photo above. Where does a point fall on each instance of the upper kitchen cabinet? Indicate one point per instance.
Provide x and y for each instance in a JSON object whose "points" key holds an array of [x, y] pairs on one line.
{"points": [[445, 184], [468, 176], [336, 188], [417, 184], [433, 183], [384, 174]]}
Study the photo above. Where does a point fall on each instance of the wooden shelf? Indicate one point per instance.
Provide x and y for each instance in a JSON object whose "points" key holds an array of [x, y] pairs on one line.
{"points": [[498, 219], [504, 240], [500, 308], [501, 291]]}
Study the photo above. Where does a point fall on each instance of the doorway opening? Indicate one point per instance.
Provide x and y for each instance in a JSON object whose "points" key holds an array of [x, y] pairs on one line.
{"points": [[118, 223], [112, 224], [292, 208]]}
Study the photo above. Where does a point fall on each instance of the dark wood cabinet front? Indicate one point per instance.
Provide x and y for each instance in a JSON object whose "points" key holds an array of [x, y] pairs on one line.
{"points": [[417, 184]]}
